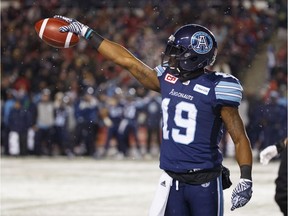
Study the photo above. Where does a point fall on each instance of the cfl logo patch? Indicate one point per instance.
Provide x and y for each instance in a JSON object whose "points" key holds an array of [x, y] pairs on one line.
{"points": [[170, 78]]}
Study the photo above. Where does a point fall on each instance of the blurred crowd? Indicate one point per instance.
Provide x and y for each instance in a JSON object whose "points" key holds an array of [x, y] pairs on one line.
{"points": [[74, 102]]}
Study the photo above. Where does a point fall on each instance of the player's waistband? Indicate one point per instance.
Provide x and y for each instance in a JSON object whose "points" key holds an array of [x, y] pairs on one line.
{"points": [[196, 176]]}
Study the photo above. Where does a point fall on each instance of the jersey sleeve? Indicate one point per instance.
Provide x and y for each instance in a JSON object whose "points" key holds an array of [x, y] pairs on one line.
{"points": [[160, 70], [228, 91]]}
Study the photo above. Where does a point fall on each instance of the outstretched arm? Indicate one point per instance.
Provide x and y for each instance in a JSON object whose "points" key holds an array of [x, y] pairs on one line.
{"points": [[121, 56], [114, 52]]}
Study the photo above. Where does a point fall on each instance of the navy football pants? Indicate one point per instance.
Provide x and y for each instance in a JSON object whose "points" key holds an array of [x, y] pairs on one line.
{"points": [[195, 200]]}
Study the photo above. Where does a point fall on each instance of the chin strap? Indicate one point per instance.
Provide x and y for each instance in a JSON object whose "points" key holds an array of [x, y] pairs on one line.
{"points": [[187, 75]]}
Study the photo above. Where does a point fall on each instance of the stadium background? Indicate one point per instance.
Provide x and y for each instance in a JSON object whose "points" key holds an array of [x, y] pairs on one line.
{"points": [[252, 40]]}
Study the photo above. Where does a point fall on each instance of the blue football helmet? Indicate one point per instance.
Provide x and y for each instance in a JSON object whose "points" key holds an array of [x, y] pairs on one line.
{"points": [[189, 50]]}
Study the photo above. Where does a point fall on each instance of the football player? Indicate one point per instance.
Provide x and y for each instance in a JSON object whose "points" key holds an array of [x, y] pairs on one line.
{"points": [[266, 155], [196, 103], [128, 127], [112, 121]]}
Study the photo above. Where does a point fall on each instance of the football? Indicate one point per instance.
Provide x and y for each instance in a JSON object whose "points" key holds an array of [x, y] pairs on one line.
{"points": [[48, 30]]}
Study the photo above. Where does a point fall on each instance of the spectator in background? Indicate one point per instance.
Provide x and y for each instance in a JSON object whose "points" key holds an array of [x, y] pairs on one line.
{"points": [[32, 109], [7, 107], [274, 120], [61, 125], [19, 122], [71, 124], [128, 127], [254, 127], [44, 125], [112, 121], [283, 97], [87, 117], [2, 136], [153, 121], [271, 60]]}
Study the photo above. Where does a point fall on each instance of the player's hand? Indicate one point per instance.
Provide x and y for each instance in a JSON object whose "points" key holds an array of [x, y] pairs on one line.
{"points": [[74, 26], [241, 194], [267, 154]]}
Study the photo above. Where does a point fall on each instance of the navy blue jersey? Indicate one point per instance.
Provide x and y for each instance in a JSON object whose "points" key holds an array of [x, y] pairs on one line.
{"points": [[115, 113], [192, 125]]}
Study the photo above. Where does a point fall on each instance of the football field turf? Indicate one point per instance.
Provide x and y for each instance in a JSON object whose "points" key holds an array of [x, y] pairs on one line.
{"points": [[87, 187]]}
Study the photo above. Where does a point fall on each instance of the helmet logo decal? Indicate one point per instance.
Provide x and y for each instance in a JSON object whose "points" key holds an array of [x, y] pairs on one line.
{"points": [[201, 42]]}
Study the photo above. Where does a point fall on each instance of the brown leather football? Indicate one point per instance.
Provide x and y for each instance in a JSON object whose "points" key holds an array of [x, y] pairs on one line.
{"points": [[48, 30]]}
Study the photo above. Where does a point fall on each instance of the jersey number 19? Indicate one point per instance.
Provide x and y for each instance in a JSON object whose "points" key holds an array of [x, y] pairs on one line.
{"points": [[188, 124]]}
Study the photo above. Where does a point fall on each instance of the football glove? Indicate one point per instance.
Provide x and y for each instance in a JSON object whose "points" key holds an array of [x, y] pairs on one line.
{"points": [[74, 27], [241, 194], [267, 154]]}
